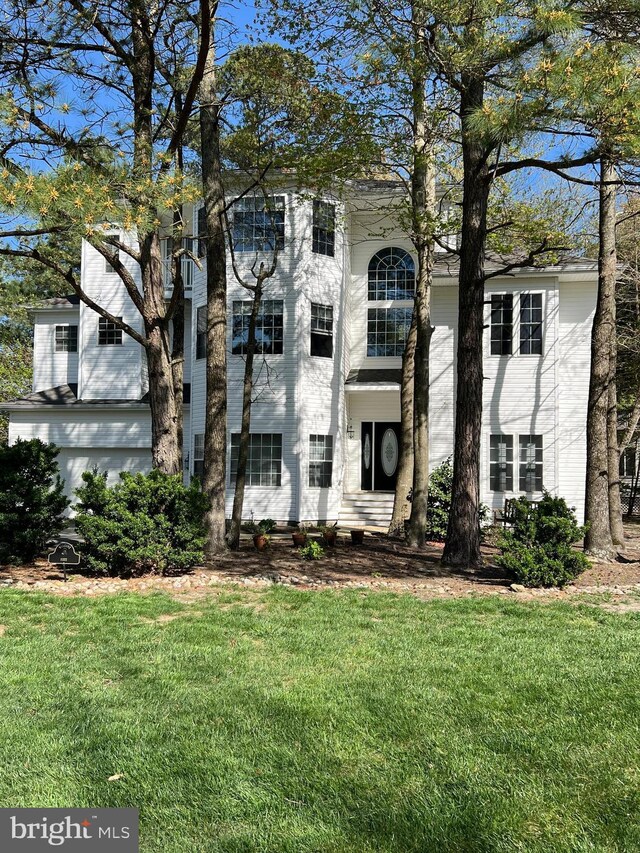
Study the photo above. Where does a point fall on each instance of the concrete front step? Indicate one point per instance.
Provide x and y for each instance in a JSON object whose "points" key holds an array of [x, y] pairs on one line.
{"points": [[366, 509]]}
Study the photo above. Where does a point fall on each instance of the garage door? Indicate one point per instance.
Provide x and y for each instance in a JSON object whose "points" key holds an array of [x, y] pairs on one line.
{"points": [[73, 461]]}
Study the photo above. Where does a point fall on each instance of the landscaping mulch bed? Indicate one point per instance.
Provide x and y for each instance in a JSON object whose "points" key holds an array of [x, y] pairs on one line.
{"points": [[380, 563]]}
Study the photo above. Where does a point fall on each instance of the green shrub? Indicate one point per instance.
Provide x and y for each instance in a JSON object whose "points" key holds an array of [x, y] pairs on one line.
{"points": [[265, 525], [439, 502], [537, 550], [31, 499], [145, 523], [311, 551]]}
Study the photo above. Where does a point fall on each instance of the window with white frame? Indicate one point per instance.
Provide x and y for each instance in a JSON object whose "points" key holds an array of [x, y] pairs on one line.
{"points": [[258, 223], [321, 330], [531, 324], [269, 327], [320, 460], [501, 463], [324, 228], [198, 455], [502, 324], [186, 263], [66, 338], [201, 332], [387, 330], [264, 463], [530, 463], [391, 275], [109, 334]]}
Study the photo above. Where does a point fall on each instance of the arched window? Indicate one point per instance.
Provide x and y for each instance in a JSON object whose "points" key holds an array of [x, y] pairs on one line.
{"points": [[391, 275]]}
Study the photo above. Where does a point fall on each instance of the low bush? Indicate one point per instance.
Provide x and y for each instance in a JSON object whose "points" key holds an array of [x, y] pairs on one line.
{"points": [[311, 551], [145, 523], [31, 499], [538, 549]]}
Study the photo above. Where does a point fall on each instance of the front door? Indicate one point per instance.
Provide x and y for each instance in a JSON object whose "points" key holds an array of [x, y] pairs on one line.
{"points": [[366, 465], [386, 451], [380, 443]]}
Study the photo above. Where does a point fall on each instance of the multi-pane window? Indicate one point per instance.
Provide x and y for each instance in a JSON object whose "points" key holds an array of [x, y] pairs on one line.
{"points": [[264, 464], [322, 330], [66, 339], [198, 455], [186, 263], [502, 324], [320, 460], [201, 332], [501, 463], [387, 330], [269, 327], [324, 228], [530, 463], [108, 332], [258, 224], [391, 275], [531, 324]]}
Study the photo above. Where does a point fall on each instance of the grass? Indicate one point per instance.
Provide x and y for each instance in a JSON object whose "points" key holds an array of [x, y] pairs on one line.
{"points": [[326, 722]]}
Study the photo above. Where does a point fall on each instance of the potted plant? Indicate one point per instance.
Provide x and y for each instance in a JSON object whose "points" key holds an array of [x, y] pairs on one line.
{"points": [[260, 532], [329, 534], [299, 536], [261, 541], [357, 537]]}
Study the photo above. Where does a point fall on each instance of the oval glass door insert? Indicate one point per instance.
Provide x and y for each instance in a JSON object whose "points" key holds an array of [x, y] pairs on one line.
{"points": [[367, 451], [389, 452]]}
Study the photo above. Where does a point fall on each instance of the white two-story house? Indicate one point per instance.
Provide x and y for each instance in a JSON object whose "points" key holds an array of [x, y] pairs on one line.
{"points": [[325, 420]]}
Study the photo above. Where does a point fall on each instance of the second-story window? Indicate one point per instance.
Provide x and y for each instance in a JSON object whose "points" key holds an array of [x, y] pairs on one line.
{"points": [[391, 275], [66, 339], [258, 224], [531, 324], [269, 327], [201, 332], [109, 333], [321, 330], [324, 228], [502, 324], [387, 330]]}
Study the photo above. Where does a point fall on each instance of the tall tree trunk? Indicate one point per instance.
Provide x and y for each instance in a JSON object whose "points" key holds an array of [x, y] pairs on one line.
{"points": [[215, 433], [598, 540], [165, 450], [233, 537], [177, 360], [164, 440], [404, 479], [423, 214], [462, 547], [423, 206], [613, 452]]}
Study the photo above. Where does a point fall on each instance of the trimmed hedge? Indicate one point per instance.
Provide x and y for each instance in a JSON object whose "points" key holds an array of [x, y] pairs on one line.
{"points": [[145, 523], [538, 549], [32, 499]]}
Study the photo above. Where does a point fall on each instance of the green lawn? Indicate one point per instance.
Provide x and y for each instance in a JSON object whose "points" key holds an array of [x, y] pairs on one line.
{"points": [[307, 721]]}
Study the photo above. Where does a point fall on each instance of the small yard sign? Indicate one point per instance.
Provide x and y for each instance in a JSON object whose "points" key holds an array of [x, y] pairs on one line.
{"points": [[64, 554]]}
